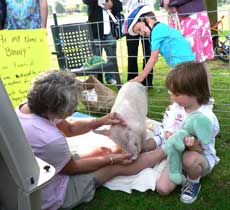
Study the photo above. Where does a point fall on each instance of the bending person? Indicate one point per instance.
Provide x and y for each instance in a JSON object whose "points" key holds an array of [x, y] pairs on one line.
{"points": [[164, 40]]}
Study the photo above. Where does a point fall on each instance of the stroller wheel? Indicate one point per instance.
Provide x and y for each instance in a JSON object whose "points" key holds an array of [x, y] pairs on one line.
{"points": [[222, 54]]}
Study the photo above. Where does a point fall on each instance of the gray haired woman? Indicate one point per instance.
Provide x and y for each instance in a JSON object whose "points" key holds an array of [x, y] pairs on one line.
{"points": [[52, 97]]}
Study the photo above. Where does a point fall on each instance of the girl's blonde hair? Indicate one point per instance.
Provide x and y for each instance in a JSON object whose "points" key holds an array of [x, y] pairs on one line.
{"points": [[190, 78]]}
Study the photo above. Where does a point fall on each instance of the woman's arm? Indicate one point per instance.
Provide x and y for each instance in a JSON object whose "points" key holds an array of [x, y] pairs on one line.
{"points": [[44, 12], [81, 126], [87, 165], [77, 127]]}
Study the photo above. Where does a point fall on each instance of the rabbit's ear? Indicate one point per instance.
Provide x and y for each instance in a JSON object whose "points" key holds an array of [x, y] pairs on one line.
{"points": [[203, 129]]}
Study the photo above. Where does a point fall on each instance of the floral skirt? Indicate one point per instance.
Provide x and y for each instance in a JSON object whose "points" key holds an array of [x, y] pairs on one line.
{"points": [[196, 29]]}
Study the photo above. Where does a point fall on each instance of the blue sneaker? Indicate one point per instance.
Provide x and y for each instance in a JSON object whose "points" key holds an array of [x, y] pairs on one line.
{"points": [[189, 192]]}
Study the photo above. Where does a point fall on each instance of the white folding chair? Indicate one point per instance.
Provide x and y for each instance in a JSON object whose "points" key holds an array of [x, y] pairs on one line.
{"points": [[22, 175]]}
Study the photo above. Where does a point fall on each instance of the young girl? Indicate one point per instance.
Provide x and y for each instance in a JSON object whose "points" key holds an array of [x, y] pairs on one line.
{"points": [[189, 90]]}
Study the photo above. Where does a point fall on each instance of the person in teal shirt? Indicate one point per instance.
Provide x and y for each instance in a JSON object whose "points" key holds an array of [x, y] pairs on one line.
{"points": [[164, 39]]}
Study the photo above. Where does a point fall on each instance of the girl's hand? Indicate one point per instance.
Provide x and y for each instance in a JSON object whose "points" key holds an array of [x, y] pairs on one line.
{"points": [[192, 144], [189, 141], [168, 134]]}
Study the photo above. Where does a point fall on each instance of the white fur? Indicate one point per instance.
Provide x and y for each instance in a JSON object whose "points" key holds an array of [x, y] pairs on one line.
{"points": [[131, 103]]}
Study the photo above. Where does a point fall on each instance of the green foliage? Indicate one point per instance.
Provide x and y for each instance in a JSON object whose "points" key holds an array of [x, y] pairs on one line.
{"points": [[157, 5], [221, 2], [59, 7], [83, 8], [50, 11]]}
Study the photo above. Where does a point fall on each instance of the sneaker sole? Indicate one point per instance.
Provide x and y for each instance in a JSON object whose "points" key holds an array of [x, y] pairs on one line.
{"points": [[190, 201]]}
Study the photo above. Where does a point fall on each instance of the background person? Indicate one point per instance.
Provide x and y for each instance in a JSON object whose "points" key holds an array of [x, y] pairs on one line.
{"points": [[101, 28], [191, 17], [26, 14]]}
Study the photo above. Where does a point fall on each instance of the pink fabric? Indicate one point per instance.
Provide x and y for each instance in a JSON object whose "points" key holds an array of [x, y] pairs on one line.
{"points": [[196, 28]]}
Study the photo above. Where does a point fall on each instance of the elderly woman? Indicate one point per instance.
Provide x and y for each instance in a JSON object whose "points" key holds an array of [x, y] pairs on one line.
{"points": [[52, 97]]}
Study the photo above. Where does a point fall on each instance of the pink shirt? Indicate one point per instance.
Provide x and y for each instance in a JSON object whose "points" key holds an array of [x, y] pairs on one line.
{"points": [[49, 144]]}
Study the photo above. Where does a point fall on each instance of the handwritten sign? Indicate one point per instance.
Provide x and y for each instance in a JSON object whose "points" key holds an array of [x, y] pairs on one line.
{"points": [[23, 54]]}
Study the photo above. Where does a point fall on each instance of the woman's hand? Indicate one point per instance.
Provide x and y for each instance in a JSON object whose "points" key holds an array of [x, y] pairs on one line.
{"points": [[121, 158], [111, 119]]}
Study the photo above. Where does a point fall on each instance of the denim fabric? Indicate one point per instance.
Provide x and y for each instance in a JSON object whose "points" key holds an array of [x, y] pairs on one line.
{"points": [[132, 46], [108, 43]]}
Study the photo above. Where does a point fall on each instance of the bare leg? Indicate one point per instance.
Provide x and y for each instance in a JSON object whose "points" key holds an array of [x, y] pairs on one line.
{"points": [[194, 164], [164, 185], [150, 145], [145, 160]]}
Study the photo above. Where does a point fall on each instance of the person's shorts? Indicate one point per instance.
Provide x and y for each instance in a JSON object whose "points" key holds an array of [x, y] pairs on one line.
{"points": [[81, 189], [159, 140], [206, 167]]}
